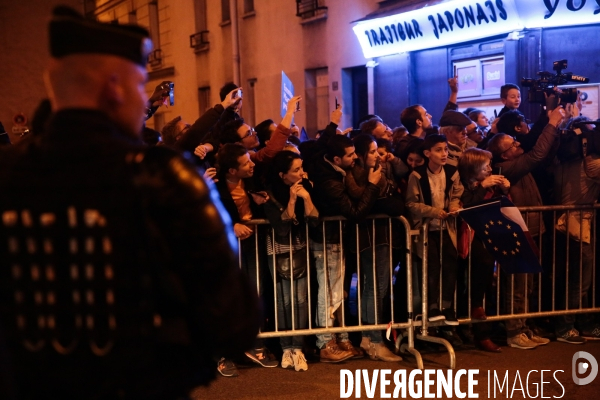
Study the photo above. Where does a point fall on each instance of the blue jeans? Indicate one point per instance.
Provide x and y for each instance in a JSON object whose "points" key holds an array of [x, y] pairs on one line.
{"points": [[370, 288], [516, 298], [327, 306], [284, 307]]}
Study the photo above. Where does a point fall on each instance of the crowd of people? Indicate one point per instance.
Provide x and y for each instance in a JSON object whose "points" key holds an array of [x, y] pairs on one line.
{"points": [[419, 170]]}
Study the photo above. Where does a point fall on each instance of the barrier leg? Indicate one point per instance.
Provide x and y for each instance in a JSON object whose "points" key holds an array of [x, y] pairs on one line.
{"points": [[410, 331], [424, 334]]}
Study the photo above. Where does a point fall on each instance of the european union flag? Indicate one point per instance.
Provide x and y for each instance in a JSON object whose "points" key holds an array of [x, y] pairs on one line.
{"points": [[500, 225]]}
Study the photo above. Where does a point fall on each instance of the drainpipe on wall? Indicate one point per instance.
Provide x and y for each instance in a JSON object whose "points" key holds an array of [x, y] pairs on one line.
{"points": [[234, 41]]}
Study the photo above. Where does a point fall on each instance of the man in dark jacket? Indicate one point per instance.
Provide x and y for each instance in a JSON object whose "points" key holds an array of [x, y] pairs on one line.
{"points": [[118, 277], [242, 202], [516, 166], [337, 156]]}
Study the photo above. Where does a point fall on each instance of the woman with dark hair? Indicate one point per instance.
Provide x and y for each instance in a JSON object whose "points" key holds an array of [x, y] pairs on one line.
{"points": [[375, 291], [289, 206]]}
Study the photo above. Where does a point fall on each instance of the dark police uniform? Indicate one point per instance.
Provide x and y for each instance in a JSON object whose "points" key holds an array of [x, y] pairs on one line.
{"points": [[118, 273]]}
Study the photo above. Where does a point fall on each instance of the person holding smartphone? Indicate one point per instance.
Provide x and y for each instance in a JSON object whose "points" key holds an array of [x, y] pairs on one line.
{"points": [[237, 131]]}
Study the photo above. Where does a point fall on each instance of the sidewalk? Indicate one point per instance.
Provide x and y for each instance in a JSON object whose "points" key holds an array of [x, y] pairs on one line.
{"points": [[322, 381]]}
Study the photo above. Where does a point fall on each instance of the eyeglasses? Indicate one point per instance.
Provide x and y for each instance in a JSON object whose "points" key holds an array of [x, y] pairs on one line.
{"points": [[249, 132], [514, 144]]}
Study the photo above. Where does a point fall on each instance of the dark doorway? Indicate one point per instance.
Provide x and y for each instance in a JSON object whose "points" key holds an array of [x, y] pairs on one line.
{"points": [[360, 95]]}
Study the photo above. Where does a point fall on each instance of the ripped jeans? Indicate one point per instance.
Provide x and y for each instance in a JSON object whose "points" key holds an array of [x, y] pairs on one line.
{"points": [[331, 290]]}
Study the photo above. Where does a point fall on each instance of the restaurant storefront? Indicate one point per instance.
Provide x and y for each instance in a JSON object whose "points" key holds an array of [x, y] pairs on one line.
{"points": [[485, 43]]}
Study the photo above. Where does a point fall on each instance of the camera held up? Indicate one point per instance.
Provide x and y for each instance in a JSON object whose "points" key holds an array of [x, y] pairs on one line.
{"points": [[542, 89]]}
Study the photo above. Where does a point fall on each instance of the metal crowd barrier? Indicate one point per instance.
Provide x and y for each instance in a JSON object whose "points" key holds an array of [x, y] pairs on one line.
{"points": [[568, 211], [422, 325], [406, 244], [548, 218]]}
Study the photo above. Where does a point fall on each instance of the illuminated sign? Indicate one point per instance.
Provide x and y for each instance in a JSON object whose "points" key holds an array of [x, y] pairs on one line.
{"points": [[463, 20], [437, 25], [545, 13]]}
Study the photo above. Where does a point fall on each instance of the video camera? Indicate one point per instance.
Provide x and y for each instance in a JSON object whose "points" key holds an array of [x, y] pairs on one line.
{"points": [[543, 87]]}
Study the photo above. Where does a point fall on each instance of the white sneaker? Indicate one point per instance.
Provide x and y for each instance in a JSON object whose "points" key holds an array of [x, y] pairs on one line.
{"points": [[287, 361], [299, 361], [521, 341]]}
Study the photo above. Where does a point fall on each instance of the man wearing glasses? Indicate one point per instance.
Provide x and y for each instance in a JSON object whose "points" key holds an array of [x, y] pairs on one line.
{"points": [[516, 166], [237, 131]]}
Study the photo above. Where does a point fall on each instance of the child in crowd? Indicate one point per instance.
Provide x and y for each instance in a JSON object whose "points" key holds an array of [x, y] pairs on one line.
{"points": [[510, 95], [433, 194], [394, 169]]}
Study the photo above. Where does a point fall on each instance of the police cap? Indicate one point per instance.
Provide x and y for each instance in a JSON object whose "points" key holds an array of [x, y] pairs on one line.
{"points": [[70, 33]]}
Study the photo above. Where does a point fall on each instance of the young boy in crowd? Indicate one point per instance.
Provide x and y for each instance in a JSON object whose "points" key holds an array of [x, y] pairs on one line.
{"points": [[510, 95], [433, 194]]}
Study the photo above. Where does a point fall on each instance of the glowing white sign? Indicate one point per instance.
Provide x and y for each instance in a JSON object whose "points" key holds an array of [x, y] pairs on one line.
{"points": [[438, 25], [463, 20], [544, 14]]}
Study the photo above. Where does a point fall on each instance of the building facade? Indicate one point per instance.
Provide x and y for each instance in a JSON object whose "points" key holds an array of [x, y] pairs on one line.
{"points": [[373, 56]]}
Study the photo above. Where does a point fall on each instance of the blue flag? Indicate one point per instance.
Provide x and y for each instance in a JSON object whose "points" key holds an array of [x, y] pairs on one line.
{"points": [[500, 225], [303, 135], [287, 92]]}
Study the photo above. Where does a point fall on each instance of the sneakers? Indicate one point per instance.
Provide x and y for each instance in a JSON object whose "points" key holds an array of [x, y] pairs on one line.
{"points": [[521, 341], [540, 341], [287, 361], [591, 334], [435, 315], [299, 361], [378, 351], [571, 337], [450, 317], [227, 368], [331, 353], [346, 345], [261, 356]]}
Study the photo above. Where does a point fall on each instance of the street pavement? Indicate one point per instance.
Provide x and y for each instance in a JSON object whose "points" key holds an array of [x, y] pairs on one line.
{"points": [[322, 381]]}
